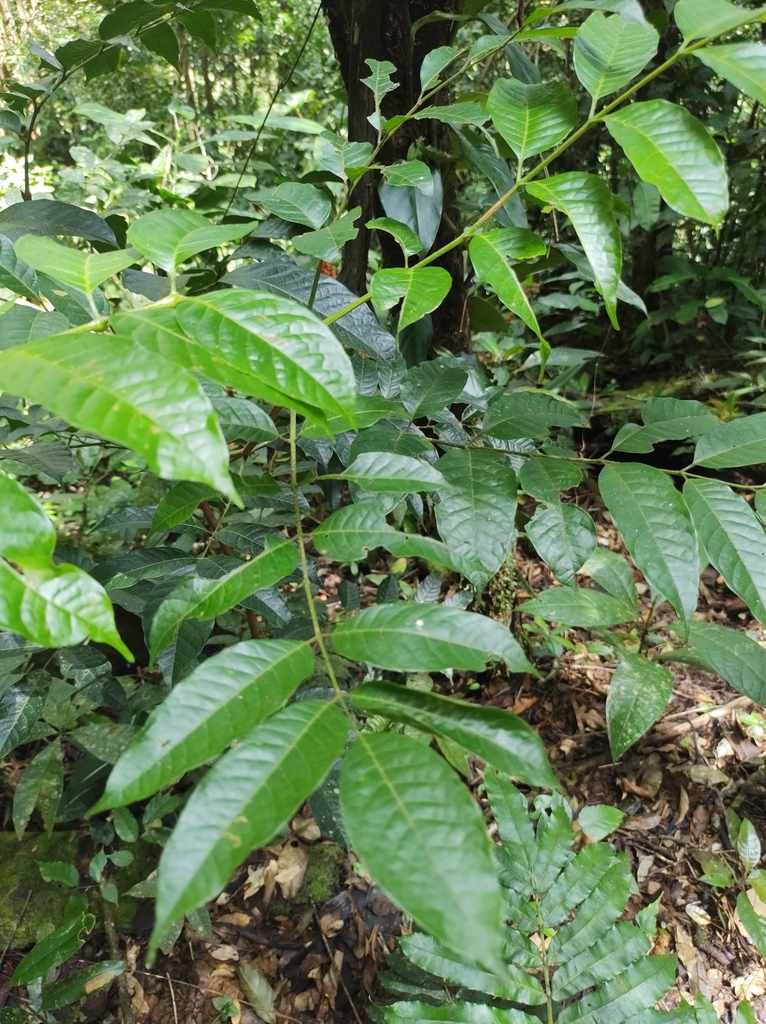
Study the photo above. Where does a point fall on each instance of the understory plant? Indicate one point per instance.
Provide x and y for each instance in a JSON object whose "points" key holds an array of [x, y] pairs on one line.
{"points": [[266, 427], [568, 956]]}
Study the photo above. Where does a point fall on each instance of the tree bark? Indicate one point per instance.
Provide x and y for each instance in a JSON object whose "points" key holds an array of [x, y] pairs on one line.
{"points": [[382, 30]]}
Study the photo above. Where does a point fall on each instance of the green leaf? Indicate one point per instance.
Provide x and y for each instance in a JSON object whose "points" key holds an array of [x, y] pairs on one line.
{"points": [[488, 255], [60, 871], [242, 420], [169, 237], [544, 478], [733, 538], [465, 112], [220, 701], [405, 236], [57, 607], [421, 289], [16, 275], [428, 954], [628, 995], [734, 656], [27, 534], [700, 19], [587, 201], [531, 118], [657, 530], [587, 609], [241, 803], [349, 534], [327, 243], [84, 271], [431, 386], [609, 52], [436, 862], [379, 472], [297, 203], [742, 64], [20, 707], [58, 946], [433, 64], [755, 925], [612, 572], [665, 419], [161, 39], [638, 694], [40, 785], [427, 638], [527, 413], [413, 173], [564, 536], [454, 1013], [476, 517], [379, 79], [198, 598], [646, 204], [598, 820], [674, 151], [178, 504], [279, 347], [28, 323], [499, 738], [739, 442], [748, 846], [53, 218], [102, 383], [81, 984]]}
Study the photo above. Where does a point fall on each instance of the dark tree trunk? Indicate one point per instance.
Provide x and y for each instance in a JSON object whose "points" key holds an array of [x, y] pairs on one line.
{"points": [[382, 30]]}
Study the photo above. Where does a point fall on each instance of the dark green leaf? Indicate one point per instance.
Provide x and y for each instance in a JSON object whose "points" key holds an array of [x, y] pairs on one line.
{"points": [[380, 472], [587, 609], [327, 243], [544, 478], [50, 217], [81, 983], [197, 598], [499, 738], [436, 862], [426, 638], [242, 802], [733, 539], [564, 537], [161, 39], [734, 656], [178, 504], [297, 203], [40, 786], [656, 527], [58, 946], [220, 701], [430, 387], [527, 413], [638, 694]]}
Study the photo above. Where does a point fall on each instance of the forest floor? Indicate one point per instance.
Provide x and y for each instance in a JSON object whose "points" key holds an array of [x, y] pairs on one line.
{"points": [[308, 919]]}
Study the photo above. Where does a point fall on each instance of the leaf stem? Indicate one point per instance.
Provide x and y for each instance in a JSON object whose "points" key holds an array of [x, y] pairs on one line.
{"points": [[300, 539]]}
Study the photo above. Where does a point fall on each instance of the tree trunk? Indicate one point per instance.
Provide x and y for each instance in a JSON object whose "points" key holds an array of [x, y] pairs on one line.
{"points": [[382, 30]]}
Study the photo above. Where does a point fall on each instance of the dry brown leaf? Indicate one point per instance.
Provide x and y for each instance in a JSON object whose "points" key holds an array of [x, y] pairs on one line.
{"points": [[223, 952], [683, 805], [237, 918], [254, 881], [685, 948], [645, 865], [292, 863], [306, 829], [698, 915], [751, 985], [705, 776], [137, 997]]}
